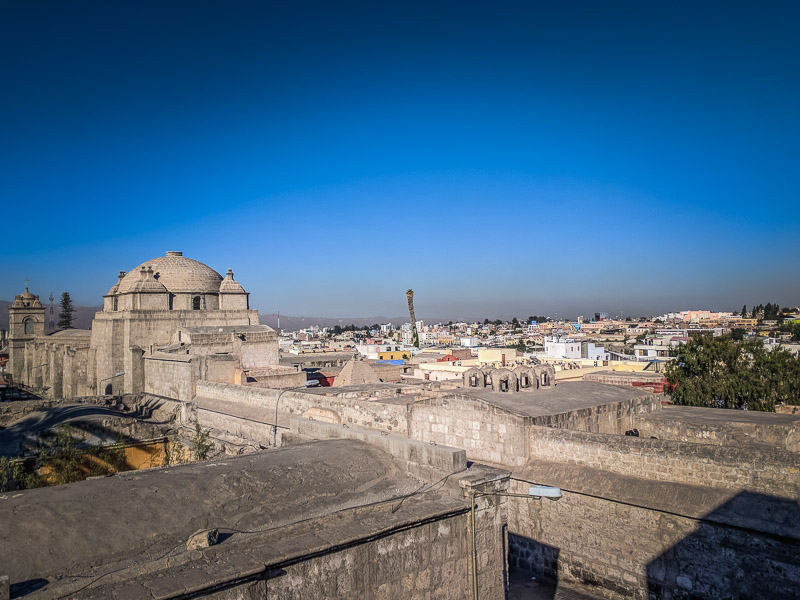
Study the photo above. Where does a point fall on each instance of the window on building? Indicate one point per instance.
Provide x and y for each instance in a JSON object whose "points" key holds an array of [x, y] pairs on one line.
{"points": [[196, 303], [29, 324], [115, 303]]}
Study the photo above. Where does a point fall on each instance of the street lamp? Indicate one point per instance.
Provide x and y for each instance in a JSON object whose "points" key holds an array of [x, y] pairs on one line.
{"points": [[100, 385], [308, 383], [31, 369], [535, 492]]}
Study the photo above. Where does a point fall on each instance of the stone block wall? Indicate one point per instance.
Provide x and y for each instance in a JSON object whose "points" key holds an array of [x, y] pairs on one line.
{"points": [[65, 373], [620, 551], [486, 432], [170, 376], [613, 417], [443, 459], [780, 435], [768, 471], [427, 562], [373, 415]]}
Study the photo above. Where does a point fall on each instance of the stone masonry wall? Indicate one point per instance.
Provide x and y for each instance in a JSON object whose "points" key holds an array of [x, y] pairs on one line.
{"points": [[484, 431], [768, 471], [170, 377], [427, 562], [620, 551], [613, 417], [372, 415], [785, 436]]}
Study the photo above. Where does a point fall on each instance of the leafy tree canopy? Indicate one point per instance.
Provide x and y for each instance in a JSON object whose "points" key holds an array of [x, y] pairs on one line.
{"points": [[720, 372]]}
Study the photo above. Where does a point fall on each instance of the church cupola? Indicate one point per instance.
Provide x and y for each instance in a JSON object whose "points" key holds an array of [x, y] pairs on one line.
{"points": [[232, 295]]}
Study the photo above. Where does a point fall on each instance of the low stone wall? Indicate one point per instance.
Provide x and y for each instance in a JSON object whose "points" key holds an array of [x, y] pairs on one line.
{"points": [[441, 458], [498, 436], [677, 423], [767, 471], [170, 376], [486, 432], [277, 378], [427, 560], [370, 414], [619, 550], [624, 378], [611, 418], [16, 409]]}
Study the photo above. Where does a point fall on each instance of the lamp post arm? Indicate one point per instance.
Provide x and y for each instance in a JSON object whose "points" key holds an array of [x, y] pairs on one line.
{"points": [[474, 562], [277, 401], [275, 424]]}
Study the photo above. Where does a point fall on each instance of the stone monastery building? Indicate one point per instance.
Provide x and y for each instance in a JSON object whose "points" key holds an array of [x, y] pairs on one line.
{"points": [[165, 324]]}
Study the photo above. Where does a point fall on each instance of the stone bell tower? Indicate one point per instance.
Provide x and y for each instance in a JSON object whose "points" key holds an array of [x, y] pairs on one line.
{"points": [[25, 322]]}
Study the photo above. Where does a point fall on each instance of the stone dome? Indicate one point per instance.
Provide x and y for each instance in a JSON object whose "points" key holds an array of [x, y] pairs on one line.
{"points": [[147, 283], [180, 275], [26, 300], [115, 288]]}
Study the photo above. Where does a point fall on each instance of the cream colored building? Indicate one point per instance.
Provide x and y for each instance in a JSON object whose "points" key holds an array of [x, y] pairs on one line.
{"points": [[165, 324]]}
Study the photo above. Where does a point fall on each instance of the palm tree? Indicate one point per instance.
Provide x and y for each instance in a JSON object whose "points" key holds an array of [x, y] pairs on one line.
{"points": [[414, 333]]}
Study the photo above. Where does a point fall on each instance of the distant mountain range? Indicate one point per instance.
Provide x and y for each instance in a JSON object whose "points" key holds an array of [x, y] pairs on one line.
{"points": [[83, 315], [297, 323]]}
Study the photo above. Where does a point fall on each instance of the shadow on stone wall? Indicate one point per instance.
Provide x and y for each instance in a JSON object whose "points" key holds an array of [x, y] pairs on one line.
{"points": [[749, 547], [534, 557]]}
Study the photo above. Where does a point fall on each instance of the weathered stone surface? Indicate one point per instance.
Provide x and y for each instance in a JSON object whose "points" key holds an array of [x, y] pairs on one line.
{"points": [[334, 519], [722, 427], [202, 538]]}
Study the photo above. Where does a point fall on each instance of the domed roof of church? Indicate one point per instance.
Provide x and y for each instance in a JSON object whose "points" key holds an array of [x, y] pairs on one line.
{"points": [[147, 283], [176, 273]]}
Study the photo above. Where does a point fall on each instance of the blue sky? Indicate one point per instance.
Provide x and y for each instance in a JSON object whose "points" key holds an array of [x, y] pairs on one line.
{"points": [[501, 159]]}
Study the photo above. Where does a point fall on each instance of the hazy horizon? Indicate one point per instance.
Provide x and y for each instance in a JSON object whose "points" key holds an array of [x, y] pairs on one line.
{"points": [[516, 158]]}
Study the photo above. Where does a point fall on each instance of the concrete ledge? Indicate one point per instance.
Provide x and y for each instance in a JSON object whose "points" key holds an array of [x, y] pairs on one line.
{"points": [[442, 458]]}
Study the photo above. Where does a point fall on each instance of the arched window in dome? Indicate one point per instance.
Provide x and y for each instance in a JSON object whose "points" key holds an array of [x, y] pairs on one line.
{"points": [[196, 303], [115, 303], [29, 324]]}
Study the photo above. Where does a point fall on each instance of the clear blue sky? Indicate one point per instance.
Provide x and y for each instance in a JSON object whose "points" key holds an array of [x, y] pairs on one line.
{"points": [[499, 158]]}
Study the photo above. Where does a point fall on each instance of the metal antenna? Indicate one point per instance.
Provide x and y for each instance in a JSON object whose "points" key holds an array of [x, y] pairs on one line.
{"points": [[52, 322]]}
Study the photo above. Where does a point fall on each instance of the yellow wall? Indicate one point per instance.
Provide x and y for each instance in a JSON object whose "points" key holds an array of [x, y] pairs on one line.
{"points": [[394, 355], [495, 355]]}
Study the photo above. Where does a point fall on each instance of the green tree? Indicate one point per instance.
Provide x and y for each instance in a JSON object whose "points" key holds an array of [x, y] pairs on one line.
{"points": [[65, 318], [744, 311], [720, 372], [737, 333]]}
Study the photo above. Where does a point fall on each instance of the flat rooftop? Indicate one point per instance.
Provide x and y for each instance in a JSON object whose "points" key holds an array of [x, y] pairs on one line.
{"points": [[299, 359], [381, 388], [61, 537], [719, 416], [554, 400]]}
